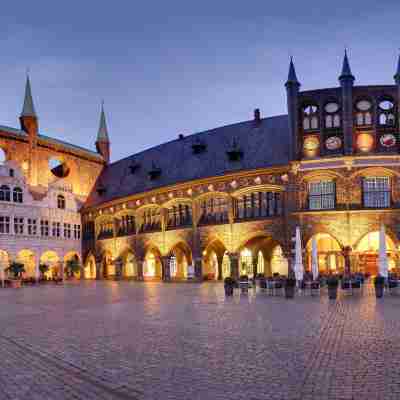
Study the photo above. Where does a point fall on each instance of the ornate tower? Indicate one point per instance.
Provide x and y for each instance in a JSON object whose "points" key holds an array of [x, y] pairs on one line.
{"points": [[103, 142], [397, 81], [292, 94], [346, 80], [29, 124]]}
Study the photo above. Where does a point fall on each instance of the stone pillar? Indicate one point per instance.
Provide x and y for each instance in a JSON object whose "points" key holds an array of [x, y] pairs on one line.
{"points": [[289, 255], [220, 260], [99, 274], [198, 268], [139, 265], [347, 265], [234, 260], [166, 273]]}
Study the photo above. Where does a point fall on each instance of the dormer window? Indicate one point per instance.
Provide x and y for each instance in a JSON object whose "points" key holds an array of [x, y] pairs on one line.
{"points": [[5, 194], [310, 117], [363, 113], [18, 195], [155, 172], [386, 113], [234, 153], [332, 115], [133, 167], [61, 202], [199, 147]]}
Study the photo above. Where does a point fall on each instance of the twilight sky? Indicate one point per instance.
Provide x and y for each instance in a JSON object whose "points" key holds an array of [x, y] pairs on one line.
{"points": [[170, 67]]}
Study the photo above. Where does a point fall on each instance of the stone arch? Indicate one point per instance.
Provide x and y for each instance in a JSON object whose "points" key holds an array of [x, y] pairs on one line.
{"points": [[107, 269], [329, 252], [152, 264], [375, 171], [180, 258], [89, 268], [52, 260], [73, 255], [215, 260], [129, 264], [28, 258]]}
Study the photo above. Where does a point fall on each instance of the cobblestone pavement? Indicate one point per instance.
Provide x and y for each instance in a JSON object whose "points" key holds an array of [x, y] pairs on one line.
{"points": [[129, 340]]}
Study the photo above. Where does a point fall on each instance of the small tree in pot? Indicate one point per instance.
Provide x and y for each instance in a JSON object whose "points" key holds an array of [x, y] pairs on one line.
{"points": [[229, 284], [17, 269], [43, 268], [379, 283], [332, 283], [72, 267], [290, 285]]}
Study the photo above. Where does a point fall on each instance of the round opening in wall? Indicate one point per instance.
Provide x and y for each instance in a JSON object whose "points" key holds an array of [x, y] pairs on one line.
{"points": [[58, 168]]}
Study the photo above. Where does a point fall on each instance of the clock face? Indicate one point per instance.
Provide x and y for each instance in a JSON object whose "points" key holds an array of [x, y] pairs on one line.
{"points": [[331, 107], [388, 140], [333, 143]]}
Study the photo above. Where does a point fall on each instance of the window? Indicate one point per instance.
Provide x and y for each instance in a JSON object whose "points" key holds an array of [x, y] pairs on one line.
{"points": [[151, 220], [18, 225], [126, 225], [44, 228], [11, 173], [258, 205], [67, 231], [376, 192], [17, 195], [310, 117], [179, 215], [56, 229], [32, 229], [386, 113], [106, 230], [363, 114], [77, 231], [61, 202], [322, 195], [4, 224], [214, 211], [332, 115], [5, 193]]}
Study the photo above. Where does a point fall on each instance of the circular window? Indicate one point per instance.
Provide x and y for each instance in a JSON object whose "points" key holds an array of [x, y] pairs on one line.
{"points": [[386, 105], [364, 105], [331, 107], [58, 169]]}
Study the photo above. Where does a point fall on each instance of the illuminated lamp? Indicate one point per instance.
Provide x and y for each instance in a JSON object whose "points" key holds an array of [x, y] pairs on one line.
{"points": [[365, 142], [25, 165], [311, 146]]}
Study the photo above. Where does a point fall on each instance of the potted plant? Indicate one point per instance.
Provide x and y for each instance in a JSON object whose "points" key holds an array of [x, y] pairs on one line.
{"points": [[72, 267], [17, 269], [332, 283], [379, 283], [229, 284], [43, 268], [290, 285]]}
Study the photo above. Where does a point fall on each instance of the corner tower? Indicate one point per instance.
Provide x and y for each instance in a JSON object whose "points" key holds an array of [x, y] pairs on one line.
{"points": [[346, 80], [103, 141], [292, 94]]}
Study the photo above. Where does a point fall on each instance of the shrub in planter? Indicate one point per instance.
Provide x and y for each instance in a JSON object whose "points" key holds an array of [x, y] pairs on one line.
{"points": [[332, 283], [43, 268], [72, 267], [17, 269], [229, 284], [290, 285], [379, 283]]}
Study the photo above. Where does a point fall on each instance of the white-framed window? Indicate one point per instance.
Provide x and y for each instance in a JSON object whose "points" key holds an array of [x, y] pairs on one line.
{"points": [[56, 229], [44, 227], [376, 192], [4, 224], [67, 231], [310, 117], [18, 196], [77, 231], [18, 225], [321, 195], [32, 227]]}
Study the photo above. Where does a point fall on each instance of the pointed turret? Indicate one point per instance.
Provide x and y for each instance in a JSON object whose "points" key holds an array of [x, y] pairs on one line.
{"points": [[28, 117], [103, 141], [292, 77], [346, 70], [292, 94], [397, 74]]}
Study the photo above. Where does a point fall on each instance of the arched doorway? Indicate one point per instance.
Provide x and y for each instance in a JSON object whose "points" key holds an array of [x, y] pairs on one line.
{"points": [[27, 258], [213, 260], [152, 267], [50, 258], [74, 258], [279, 263], [89, 270], [367, 252], [108, 265], [180, 259], [129, 266], [330, 257]]}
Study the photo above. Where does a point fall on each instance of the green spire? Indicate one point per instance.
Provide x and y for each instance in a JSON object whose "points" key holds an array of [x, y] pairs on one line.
{"points": [[28, 109], [102, 134]]}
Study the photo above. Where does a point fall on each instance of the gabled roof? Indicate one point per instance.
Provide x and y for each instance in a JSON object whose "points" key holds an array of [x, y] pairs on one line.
{"points": [[263, 144]]}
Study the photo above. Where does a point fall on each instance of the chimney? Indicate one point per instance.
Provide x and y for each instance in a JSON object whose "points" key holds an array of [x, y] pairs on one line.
{"points": [[257, 115]]}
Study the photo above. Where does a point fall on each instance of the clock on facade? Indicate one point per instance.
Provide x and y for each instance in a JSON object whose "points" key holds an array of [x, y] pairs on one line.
{"points": [[333, 143], [387, 140]]}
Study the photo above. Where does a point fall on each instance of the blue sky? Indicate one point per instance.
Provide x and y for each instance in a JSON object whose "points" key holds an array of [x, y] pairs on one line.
{"points": [[170, 67]]}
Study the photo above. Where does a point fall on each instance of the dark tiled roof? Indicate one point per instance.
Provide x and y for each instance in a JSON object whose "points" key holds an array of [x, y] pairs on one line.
{"points": [[264, 144]]}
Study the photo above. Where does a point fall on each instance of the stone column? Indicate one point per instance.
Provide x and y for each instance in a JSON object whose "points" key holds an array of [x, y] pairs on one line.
{"points": [[98, 261], [347, 265], [234, 259], [139, 265], [254, 262], [220, 261], [166, 273], [198, 268]]}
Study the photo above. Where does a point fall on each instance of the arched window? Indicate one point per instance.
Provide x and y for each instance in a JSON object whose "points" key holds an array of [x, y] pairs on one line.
{"points": [[126, 225], [17, 195], [214, 211], [376, 192], [364, 113], [106, 230], [258, 205], [61, 202], [386, 113], [310, 117], [5, 193], [150, 220], [332, 115], [179, 215]]}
